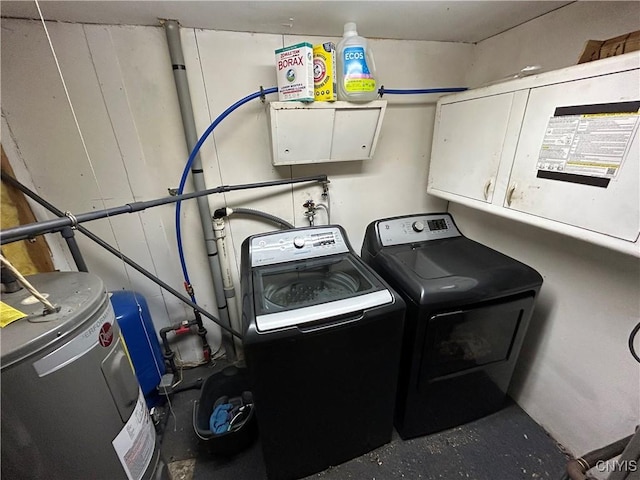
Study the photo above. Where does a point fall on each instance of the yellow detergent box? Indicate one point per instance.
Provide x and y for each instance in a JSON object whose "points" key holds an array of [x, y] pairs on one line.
{"points": [[324, 72], [295, 72]]}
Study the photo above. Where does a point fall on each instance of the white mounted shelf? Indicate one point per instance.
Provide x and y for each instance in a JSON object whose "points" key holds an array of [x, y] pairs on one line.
{"points": [[324, 131]]}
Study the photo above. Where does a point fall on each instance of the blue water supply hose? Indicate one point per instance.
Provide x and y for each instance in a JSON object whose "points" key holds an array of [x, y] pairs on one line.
{"points": [[419, 91], [187, 167]]}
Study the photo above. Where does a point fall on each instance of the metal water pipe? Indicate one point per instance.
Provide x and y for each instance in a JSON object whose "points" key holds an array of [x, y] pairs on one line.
{"points": [[172, 30], [65, 218]]}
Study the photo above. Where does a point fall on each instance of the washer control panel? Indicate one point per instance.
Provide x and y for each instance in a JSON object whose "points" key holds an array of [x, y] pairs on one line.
{"points": [[298, 244], [417, 228]]}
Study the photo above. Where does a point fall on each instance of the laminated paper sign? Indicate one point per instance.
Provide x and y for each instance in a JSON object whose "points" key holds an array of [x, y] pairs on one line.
{"points": [[588, 144]]}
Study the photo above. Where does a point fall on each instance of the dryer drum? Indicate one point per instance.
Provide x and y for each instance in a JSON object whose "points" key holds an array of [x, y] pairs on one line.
{"points": [[309, 287]]}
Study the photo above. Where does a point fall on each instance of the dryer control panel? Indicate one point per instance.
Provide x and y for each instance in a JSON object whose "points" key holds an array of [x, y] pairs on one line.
{"points": [[298, 244], [416, 228]]}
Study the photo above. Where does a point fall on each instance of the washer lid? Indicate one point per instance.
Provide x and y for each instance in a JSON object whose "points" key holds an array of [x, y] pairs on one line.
{"points": [[79, 296], [304, 291], [326, 311]]}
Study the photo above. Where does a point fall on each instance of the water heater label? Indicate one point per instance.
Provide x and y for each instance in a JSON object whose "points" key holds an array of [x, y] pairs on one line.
{"points": [[77, 346], [136, 442]]}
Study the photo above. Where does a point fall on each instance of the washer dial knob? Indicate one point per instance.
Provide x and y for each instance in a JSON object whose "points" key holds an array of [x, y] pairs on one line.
{"points": [[417, 226], [298, 242]]}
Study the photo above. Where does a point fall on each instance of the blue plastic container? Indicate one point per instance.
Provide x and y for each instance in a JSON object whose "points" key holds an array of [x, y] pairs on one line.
{"points": [[143, 346]]}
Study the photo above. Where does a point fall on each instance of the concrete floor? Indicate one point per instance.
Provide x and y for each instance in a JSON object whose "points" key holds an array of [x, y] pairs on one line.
{"points": [[507, 445]]}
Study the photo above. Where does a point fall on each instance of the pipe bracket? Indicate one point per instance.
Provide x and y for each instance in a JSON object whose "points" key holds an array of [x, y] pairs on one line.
{"points": [[74, 220]]}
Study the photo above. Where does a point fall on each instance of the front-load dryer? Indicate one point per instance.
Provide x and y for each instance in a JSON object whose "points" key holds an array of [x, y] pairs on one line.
{"points": [[322, 339], [468, 307]]}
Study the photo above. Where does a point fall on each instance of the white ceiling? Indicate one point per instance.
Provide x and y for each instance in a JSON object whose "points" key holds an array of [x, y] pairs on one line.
{"points": [[446, 21]]}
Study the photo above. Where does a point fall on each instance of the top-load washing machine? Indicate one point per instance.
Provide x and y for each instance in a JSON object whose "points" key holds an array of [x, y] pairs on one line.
{"points": [[468, 308], [322, 342]]}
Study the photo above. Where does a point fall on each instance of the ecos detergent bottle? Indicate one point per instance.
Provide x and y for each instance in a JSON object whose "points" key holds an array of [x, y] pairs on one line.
{"points": [[356, 68]]}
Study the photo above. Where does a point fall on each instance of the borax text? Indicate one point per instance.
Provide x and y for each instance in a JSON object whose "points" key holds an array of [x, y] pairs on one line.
{"points": [[288, 62]]}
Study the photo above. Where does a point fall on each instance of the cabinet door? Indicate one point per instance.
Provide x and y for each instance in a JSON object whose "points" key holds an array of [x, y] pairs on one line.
{"points": [[565, 177], [467, 146]]}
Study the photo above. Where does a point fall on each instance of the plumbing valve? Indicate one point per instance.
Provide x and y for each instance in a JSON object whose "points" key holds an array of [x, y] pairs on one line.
{"points": [[325, 189], [311, 211]]}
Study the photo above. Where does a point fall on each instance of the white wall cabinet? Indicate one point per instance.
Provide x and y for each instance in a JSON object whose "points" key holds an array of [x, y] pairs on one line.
{"points": [[492, 147], [471, 135], [324, 131]]}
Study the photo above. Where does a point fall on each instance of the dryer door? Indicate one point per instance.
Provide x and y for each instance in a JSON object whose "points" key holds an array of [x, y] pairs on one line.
{"points": [[471, 339]]}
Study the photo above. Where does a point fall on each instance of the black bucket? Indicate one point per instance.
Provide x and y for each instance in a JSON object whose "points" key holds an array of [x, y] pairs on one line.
{"points": [[231, 382]]}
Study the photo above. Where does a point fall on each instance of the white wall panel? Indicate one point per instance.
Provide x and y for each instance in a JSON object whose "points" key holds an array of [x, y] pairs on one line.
{"points": [[157, 151], [34, 104], [53, 150], [121, 86], [147, 122]]}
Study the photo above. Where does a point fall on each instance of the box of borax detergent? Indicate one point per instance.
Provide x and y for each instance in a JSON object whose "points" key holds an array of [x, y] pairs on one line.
{"points": [[324, 72], [295, 72]]}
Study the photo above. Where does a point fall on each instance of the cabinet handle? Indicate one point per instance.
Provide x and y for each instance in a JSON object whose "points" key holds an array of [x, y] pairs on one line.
{"points": [[487, 186], [510, 193]]}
